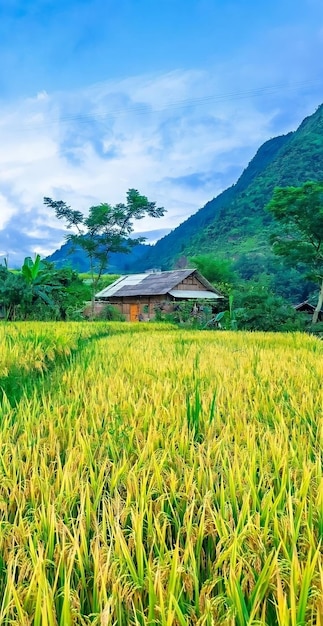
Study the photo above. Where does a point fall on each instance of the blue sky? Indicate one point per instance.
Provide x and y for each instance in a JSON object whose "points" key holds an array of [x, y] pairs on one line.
{"points": [[172, 97]]}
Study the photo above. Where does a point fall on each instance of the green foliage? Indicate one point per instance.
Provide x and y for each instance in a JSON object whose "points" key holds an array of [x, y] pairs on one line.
{"points": [[111, 313], [259, 309], [315, 329], [106, 229], [40, 292], [217, 271], [227, 319], [15, 295], [31, 269], [185, 314], [194, 413], [39, 279], [299, 214], [70, 293]]}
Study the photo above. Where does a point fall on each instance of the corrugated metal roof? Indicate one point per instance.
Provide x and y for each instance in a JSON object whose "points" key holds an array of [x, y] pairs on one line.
{"points": [[111, 290], [151, 284], [194, 295]]}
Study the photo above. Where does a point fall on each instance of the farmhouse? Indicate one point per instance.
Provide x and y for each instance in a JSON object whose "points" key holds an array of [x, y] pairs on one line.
{"points": [[137, 296]]}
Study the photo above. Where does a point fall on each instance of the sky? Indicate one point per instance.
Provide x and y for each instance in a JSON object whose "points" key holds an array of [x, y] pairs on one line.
{"points": [[171, 97]]}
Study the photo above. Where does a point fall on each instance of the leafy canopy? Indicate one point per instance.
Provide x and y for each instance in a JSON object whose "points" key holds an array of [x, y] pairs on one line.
{"points": [[106, 228], [214, 269], [299, 212]]}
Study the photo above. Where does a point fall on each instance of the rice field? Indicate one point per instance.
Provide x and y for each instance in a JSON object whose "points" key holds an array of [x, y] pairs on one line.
{"points": [[151, 476]]}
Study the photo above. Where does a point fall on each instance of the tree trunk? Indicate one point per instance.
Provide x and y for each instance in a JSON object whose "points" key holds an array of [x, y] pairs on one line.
{"points": [[318, 306], [92, 288]]}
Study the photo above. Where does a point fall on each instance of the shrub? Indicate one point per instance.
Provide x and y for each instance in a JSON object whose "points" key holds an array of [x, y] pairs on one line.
{"points": [[111, 314]]}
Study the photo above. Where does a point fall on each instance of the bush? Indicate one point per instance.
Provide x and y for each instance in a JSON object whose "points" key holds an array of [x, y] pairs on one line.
{"points": [[315, 329], [111, 314], [259, 309]]}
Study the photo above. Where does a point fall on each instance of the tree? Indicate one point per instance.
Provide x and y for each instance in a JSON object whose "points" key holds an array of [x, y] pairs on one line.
{"points": [[299, 211], [15, 295], [105, 229], [69, 292], [260, 309], [216, 270]]}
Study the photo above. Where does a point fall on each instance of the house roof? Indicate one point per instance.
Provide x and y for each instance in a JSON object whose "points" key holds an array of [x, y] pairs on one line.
{"points": [[306, 305], [153, 284]]}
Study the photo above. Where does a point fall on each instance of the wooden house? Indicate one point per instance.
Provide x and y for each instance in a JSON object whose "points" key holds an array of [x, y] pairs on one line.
{"points": [[137, 296], [306, 307]]}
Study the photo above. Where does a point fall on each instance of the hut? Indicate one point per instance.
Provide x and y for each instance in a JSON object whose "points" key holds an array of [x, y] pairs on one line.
{"points": [[138, 296], [308, 308]]}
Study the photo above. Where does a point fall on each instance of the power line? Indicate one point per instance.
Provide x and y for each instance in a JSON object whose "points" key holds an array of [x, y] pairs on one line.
{"points": [[138, 109]]}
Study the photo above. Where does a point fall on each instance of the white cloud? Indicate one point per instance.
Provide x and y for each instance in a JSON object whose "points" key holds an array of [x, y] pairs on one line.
{"points": [[7, 210], [148, 132]]}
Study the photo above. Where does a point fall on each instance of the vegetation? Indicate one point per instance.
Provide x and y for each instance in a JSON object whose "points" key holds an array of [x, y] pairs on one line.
{"points": [[162, 477], [105, 230], [216, 270], [299, 213], [258, 308], [39, 291], [111, 314], [235, 224]]}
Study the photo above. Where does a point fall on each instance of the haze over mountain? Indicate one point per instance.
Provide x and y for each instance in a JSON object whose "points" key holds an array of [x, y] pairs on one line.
{"points": [[235, 223]]}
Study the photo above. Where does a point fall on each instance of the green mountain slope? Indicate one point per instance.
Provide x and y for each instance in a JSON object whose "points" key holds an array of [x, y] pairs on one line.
{"points": [[235, 222]]}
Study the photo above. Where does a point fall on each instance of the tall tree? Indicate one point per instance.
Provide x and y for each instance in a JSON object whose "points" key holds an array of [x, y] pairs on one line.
{"points": [[105, 229], [299, 212]]}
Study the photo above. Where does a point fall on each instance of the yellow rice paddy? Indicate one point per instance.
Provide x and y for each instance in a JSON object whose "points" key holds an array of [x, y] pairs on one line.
{"points": [[161, 477]]}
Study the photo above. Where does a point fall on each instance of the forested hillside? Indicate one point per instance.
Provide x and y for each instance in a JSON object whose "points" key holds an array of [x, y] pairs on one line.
{"points": [[235, 223], [183, 240]]}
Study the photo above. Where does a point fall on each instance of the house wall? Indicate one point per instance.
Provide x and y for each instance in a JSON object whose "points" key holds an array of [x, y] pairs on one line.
{"points": [[98, 307], [191, 282], [146, 305]]}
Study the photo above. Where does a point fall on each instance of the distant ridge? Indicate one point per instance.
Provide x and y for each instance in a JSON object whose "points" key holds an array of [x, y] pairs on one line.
{"points": [[120, 263]]}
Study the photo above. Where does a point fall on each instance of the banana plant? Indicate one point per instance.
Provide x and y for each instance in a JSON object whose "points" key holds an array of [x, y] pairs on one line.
{"points": [[31, 269], [38, 279], [227, 319]]}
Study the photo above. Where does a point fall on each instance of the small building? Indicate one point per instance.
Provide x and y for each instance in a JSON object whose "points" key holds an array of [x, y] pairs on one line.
{"points": [[306, 307], [137, 296]]}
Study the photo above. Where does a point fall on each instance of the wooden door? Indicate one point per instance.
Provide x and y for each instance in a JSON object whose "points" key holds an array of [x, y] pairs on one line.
{"points": [[134, 312]]}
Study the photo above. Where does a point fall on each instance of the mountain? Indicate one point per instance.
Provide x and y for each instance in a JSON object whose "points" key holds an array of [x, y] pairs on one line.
{"points": [[235, 223], [184, 240], [119, 263]]}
